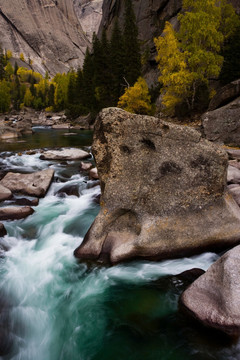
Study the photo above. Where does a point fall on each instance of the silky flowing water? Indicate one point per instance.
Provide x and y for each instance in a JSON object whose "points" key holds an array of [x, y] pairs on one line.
{"points": [[53, 307]]}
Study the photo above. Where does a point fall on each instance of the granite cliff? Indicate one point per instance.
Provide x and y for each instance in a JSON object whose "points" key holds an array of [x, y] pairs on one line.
{"points": [[47, 31], [151, 16]]}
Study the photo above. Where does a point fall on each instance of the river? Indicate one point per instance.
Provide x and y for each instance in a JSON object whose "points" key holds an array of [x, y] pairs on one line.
{"points": [[56, 308]]}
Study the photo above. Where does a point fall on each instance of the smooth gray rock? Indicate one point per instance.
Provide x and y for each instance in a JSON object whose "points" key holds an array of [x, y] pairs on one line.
{"points": [[66, 154], [5, 193], [235, 192], [86, 166], [93, 174], [213, 298], [234, 153], [34, 184], [233, 175], [15, 212], [223, 125], [163, 191], [234, 163]]}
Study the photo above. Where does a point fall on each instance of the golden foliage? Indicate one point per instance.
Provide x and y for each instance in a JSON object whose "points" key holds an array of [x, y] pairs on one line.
{"points": [[136, 99]]}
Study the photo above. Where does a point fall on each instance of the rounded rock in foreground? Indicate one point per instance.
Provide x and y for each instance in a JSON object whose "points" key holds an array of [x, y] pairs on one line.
{"points": [[213, 299]]}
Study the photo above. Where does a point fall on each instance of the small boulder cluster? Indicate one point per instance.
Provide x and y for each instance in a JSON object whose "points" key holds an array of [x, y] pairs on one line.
{"points": [[233, 176]]}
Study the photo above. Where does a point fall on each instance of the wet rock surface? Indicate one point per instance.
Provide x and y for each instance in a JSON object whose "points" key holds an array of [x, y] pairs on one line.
{"points": [[66, 154], [213, 298], [5, 193], [34, 184], [15, 213], [176, 208]]}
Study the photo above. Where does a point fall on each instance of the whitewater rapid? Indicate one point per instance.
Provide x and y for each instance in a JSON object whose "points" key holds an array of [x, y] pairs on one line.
{"points": [[56, 308]]}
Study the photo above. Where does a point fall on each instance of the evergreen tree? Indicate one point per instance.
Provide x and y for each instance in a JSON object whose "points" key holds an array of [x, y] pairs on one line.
{"points": [[89, 100], [103, 71], [2, 65], [117, 62], [71, 92], [132, 61], [231, 64], [79, 87], [51, 95], [5, 97]]}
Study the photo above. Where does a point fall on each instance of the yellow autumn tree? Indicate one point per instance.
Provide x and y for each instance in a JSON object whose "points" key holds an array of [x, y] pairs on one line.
{"points": [[136, 98], [189, 58], [174, 76], [28, 98]]}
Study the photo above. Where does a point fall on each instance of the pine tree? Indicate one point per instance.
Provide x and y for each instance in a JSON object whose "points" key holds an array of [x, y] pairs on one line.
{"points": [[103, 71], [5, 97], [231, 64], [89, 100], [117, 62], [132, 61], [71, 92], [2, 65]]}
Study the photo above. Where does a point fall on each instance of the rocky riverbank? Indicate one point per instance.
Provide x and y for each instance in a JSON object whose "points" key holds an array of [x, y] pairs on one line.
{"points": [[16, 124]]}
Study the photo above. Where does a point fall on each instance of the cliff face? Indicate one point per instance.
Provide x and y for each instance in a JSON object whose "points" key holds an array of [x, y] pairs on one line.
{"points": [[89, 13], [47, 31], [150, 16]]}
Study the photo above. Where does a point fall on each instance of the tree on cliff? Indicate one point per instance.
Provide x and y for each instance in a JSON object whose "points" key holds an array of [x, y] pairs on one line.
{"points": [[189, 58], [132, 58], [136, 99]]}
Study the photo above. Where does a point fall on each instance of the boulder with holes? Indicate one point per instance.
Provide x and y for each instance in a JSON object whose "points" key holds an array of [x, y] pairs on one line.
{"points": [[163, 191]]}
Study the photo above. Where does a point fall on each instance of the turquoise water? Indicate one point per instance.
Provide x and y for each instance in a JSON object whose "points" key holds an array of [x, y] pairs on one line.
{"points": [[55, 308]]}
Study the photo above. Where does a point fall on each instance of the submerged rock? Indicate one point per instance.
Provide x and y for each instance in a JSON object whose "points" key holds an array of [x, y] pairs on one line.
{"points": [[213, 298], [3, 231], [176, 208], [5, 193], [65, 154], [15, 212], [34, 184]]}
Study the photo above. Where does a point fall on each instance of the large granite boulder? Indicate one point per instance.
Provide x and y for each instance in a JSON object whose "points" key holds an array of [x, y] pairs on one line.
{"points": [[5, 193], [214, 297], [65, 154], [34, 184], [223, 125], [163, 191], [225, 94]]}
